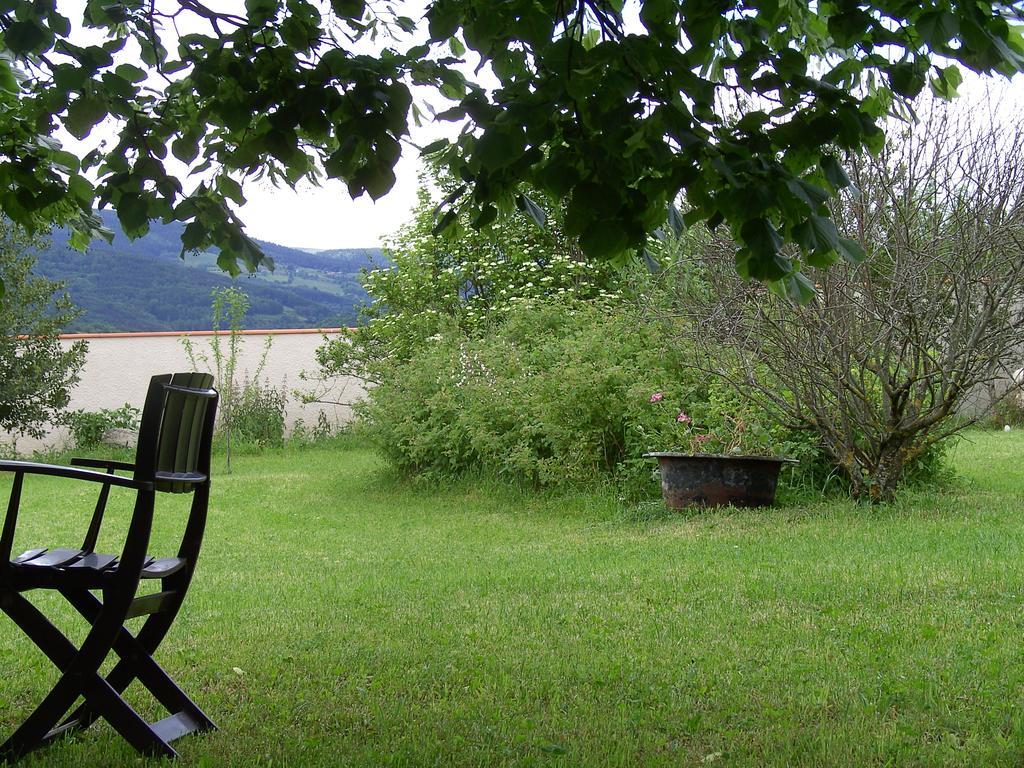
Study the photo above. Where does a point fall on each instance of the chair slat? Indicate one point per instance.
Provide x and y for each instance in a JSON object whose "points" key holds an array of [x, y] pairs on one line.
{"points": [[175, 726], [170, 430], [55, 558], [188, 410], [27, 555], [200, 381], [165, 566], [147, 605], [94, 562]]}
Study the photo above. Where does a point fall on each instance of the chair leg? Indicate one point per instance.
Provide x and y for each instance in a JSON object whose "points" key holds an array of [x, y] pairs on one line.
{"points": [[102, 698], [61, 652], [137, 663], [79, 677]]}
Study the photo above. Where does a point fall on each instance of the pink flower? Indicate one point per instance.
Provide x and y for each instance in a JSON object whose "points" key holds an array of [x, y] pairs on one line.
{"points": [[656, 397], [699, 439], [682, 418]]}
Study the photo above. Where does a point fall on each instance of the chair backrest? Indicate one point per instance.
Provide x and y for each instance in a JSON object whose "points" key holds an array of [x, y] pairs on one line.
{"points": [[176, 431]]}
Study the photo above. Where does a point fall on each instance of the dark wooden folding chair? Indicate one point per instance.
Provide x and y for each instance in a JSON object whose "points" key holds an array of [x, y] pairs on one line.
{"points": [[173, 456]]}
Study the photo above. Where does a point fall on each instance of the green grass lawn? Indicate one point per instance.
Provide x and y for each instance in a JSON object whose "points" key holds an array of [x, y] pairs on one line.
{"points": [[340, 617]]}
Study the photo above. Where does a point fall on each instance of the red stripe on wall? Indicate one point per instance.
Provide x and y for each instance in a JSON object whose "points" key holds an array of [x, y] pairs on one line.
{"points": [[253, 332]]}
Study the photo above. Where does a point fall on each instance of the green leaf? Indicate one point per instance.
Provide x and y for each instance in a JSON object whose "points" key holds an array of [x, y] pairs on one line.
{"points": [[946, 82], [133, 213], [227, 261], [442, 20], [8, 82], [23, 37], [676, 220], [444, 222], [486, 216], [261, 11], [376, 179], [693, 216], [192, 236], [590, 39], [83, 114], [60, 25], [497, 148], [532, 210], [761, 237], [654, 13], [434, 146], [874, 140], [752, 121], [834, 172], [458, 49], [798, 288], [850, 250], [65, 160], [849, 28], [81, 189], [230, 189], [79, 240], [299, 33], [938, 27], [130, 72], [604, 239], [811, 194], [349, 9], [825, 234], [185, 148], [906, 79]]}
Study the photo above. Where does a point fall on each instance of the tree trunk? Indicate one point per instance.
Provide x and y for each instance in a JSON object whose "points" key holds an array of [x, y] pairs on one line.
{"points": [[877, 482]]}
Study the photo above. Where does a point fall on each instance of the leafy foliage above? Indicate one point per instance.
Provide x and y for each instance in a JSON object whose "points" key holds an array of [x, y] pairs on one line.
{"points": [[614, 114]]}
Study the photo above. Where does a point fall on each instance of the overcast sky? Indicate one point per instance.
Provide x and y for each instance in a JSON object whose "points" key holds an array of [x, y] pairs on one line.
{"points": [[326, 217]]}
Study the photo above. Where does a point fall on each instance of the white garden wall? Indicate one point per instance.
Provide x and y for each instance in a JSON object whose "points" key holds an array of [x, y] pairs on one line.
{"points": [[119, 365]]}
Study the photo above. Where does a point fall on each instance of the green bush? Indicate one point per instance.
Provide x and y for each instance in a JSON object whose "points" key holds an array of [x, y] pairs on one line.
{"points": [[87, 427], [467, 278], [1009, 410], [258, 417], [558, 395], [318, 432]]}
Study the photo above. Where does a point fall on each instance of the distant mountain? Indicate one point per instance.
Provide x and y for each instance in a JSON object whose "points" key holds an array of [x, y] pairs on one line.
{"points": [[143, 285]]}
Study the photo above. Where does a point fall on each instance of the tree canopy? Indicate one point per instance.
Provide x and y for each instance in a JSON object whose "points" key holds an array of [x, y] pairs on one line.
{"points": [[743, 106]]}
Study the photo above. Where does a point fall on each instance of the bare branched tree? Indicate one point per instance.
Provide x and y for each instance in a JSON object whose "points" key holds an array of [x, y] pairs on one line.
{"points": [[880, 360]]}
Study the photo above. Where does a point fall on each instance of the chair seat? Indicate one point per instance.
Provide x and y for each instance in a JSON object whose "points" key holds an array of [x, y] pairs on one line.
{"points": [[78, 562]]}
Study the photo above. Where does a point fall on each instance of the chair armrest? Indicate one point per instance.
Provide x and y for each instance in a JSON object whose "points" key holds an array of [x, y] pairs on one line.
{"points": [[73, 473], [189, 478], [104, 464]]}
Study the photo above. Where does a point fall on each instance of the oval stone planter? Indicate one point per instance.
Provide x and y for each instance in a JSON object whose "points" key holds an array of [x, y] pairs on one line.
{"points": [[691, 480]]}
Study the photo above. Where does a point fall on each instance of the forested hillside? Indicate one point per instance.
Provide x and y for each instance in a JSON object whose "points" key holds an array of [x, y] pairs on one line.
{"points": [[143, 285]]}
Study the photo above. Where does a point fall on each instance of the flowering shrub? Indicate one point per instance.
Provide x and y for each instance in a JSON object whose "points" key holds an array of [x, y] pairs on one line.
{"points": [[742, 431], [462, 282], [554, 396]]}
